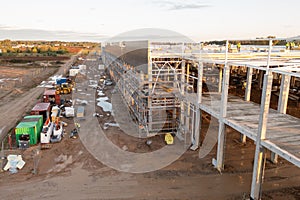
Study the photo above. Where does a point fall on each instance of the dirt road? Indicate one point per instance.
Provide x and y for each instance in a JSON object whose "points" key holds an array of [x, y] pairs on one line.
{"points": [[14, 109]]}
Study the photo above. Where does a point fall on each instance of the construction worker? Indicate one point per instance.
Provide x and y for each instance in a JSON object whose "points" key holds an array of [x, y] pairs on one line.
{"points": [[229, 47], [238, 46], [77, 126], [292, 45], [287, 46]]}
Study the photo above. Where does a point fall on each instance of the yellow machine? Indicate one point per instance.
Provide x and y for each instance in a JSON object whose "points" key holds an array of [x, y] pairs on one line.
{"points": [[169, 138], [64, 88]]}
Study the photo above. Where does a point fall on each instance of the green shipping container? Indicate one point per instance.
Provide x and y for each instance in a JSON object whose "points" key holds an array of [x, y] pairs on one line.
{"points": [[38, 118], [27, 128]]}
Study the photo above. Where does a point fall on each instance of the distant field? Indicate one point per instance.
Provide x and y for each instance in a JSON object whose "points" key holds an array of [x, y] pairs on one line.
{"points": [[21, 59]]}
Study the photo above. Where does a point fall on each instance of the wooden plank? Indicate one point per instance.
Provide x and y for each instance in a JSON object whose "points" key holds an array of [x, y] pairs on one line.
{"points": [[250, 127], [243, 113], [279, 131], [250, 118], [288, 139], [283, 124], [244, 130]]}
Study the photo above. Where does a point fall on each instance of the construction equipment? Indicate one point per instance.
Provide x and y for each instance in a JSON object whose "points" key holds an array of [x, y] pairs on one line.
{"points": [[169, 138], [64, 88]]}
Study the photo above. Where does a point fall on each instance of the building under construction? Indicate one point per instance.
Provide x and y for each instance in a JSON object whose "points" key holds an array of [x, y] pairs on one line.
{"points": [[160, 84]]}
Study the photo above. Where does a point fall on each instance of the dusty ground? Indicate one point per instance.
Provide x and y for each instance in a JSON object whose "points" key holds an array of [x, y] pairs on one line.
{"points": [[15, 101], [69, 171]]}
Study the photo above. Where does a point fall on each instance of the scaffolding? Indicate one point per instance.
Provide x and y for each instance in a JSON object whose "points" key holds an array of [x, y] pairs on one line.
{"points": [[152, 93]]}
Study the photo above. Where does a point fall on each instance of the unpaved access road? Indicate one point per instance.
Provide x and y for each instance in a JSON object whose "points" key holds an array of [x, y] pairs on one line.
{"points": [[12, 111]]}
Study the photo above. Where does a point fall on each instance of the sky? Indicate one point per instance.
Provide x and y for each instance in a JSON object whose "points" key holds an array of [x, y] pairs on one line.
{"points": [[98, 20]]}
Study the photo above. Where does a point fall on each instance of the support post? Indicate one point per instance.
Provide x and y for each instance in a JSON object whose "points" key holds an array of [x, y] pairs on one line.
{"points": [[284, 93], [249, 83], [247, 96], [199, 83], [282, 104], [259, 161], [220, 80], [219, 163], [198, 120], [187, 73], [182, 110], [182, 77], [149, 88], [293, 81], [260, 78]]}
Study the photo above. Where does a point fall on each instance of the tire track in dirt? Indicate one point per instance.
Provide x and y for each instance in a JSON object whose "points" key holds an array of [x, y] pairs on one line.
{"points": [[12, 112]]}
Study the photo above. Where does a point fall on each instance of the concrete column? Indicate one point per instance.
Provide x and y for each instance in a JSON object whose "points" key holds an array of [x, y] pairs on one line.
{"points": [[249, 83], [284, 93], [187, 124], [197, 129], [220, 80], [149, 87], [293, 81], [282, 104], [187, 72], [175, 84], [182, 77], [247, 95], [199, 83], [182, 110], [243, 138], [259, 159], [260, 78], [219, 163], [198, 111]]}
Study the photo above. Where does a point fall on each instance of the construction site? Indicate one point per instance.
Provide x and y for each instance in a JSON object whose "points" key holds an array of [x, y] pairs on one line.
{"points": [[159, 82], [228, 118]]}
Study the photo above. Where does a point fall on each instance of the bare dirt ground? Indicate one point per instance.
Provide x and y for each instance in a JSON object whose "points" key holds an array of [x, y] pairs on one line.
{"points": [[23, 95], [68, 171]]}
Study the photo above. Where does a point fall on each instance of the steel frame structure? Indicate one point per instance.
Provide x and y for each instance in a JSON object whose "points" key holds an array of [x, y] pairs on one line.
{"points": [[164, 89]]}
